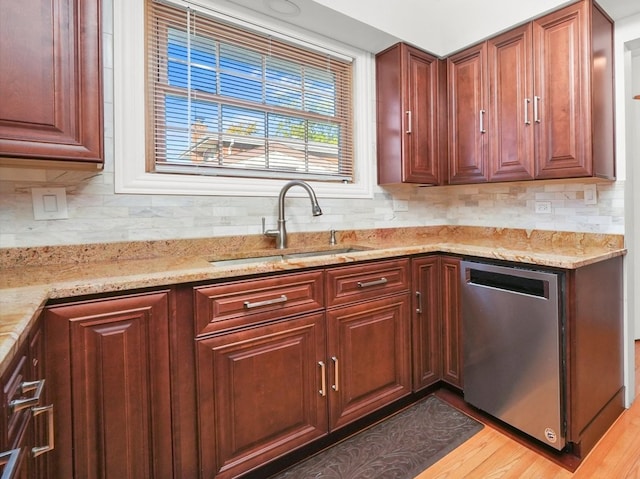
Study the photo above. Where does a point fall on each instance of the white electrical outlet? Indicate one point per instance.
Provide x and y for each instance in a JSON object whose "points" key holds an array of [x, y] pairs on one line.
{"points": [[590, 195], [49, 203], [543, 207], [400, 205]]}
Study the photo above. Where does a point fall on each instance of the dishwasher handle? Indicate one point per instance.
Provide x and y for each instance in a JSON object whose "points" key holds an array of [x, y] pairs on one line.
{"points": [[512, 283]]}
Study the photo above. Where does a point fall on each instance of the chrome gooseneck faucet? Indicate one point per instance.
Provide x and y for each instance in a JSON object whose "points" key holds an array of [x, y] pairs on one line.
{"points": [[281, 233]]}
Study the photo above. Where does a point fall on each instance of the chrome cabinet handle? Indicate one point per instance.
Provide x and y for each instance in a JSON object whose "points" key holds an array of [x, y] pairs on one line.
{"points": [[536, 116], [377, 282], [419, 299], [9, 459], [323, 379], [409, 125], [39, 450], [482, 130], [258, 304], [526, 111], [335, 373], [28, 386]]}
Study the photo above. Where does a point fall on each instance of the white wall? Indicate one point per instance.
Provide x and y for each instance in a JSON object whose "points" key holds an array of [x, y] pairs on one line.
{"points": [[627, 84]]}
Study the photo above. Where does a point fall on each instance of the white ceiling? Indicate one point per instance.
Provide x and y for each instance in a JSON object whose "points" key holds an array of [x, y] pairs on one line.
{"points": [[439, 26]]}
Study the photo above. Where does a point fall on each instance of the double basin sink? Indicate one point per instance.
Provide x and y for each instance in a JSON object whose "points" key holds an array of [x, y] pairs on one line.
{"points": [[285, 256]]}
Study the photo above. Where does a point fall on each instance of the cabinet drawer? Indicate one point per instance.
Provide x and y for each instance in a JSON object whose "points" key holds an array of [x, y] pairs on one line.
{"points": [[14, 419], [243, 303], [366, 281]]}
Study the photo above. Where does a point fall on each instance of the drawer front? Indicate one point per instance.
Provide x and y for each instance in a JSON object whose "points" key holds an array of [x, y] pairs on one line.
{"points": [[14, 419], [243, 303], [366, 281]]}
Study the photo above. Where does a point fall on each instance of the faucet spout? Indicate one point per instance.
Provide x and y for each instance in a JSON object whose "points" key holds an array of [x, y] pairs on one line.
{"points": [[281, 233]]}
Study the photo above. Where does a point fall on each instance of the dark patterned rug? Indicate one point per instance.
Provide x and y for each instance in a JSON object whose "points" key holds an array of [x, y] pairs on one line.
{"points": [[400, 447]]}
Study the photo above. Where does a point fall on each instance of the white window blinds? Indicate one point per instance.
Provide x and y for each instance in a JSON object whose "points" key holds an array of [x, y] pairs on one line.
{"points": [[226, 101]]}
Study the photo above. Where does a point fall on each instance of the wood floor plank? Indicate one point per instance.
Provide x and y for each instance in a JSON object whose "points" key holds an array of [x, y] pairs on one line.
{"points": [[466, 457]]}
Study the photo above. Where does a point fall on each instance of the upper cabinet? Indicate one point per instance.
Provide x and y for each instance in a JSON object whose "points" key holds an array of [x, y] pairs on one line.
{"points": [[51, 82], [535, 102], [573, 93], [409, 83], [467, 95]]}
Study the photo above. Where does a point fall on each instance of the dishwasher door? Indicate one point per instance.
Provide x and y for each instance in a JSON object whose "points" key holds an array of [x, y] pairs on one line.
{"points": [[513, 354]]}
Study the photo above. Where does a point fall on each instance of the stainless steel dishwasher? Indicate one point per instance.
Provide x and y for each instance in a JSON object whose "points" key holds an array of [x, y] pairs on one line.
{"points": [[512, 329]]}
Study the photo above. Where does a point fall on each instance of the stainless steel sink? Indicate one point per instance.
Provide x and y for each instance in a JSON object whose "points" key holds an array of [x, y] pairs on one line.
{"points": [[284, 256]]}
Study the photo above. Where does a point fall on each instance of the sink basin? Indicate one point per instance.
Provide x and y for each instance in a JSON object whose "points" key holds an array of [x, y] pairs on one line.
{"points": [[284, 256]]}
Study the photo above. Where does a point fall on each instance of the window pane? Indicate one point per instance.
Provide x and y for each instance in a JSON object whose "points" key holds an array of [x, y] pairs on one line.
{"points": [[284, 83], [320, 91]]}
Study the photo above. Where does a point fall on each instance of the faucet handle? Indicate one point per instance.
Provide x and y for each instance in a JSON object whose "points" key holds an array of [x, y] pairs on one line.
{"points": [[332, 238]]}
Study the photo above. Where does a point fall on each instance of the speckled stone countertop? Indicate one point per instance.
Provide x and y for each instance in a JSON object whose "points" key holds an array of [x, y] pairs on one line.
{"points": [[32, 276]]}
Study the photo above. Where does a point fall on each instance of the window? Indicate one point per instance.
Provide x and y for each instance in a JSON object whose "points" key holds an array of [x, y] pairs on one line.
{"points": [[231, 107], [230, 102]]}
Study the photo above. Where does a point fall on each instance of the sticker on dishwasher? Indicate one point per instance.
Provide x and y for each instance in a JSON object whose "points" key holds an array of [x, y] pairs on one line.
{"points": [[551, 436]]}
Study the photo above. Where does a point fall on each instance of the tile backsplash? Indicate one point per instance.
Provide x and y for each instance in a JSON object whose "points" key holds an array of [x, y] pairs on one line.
{"points": [[98, 215]]}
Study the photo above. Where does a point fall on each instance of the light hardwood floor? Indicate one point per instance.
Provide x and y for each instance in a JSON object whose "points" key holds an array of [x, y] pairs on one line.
{"points": [[491, 455]]}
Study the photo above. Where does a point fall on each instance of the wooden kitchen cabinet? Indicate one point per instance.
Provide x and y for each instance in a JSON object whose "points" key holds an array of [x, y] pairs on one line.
{"points": [[261, 370], [27, 420], [573, 93], [426, 321], [284, 360], [535, 102], [467, 116], [108, 367], [510, 136], [369, 338], [451, 321], [595, 349], [51, 82], [261, 393], [437, 321], [410, 84]]}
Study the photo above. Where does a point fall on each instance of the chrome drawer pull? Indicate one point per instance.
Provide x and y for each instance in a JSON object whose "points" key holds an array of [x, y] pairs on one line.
{"points": [[258, 304], [526, 111], [323, 374], [36, 411], [335, 373], [377, 282], [20, 404], [9, 460], [536, 115]]}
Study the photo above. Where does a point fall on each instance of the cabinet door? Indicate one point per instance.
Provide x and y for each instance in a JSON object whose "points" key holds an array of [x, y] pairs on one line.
{"points": [[421, 122], [407, 82], [510, 88], [51, 80], [468, 119], [562, 84], [260, 393], [451, 322], [426, 324], [108, 364], [369, 349]]}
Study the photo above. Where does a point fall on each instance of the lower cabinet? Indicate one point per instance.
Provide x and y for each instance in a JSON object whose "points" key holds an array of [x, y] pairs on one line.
{"points": [[27, 418], [292, 370], [108, 367], [261, 393], [436, 321]]}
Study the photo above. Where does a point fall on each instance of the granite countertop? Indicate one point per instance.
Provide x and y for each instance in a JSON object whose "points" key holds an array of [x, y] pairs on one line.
{"points": [[32, 276]]}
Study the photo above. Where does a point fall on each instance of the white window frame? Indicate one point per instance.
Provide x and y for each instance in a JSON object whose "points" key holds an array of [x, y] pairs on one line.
{"points": [[129, 64]]}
